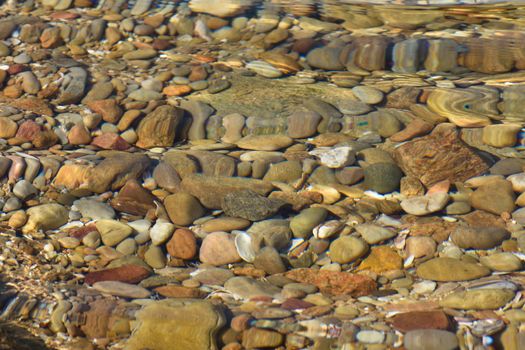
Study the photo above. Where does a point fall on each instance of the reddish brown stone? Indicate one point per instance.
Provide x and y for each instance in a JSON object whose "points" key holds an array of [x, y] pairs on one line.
{"points": [[126, 273], [110, 141], [17, 68], [45, 139], [174, 291], [64, 15], [33, 104], [97, 318], [81, 232], [133, 199], [334, 283], [434, 227], [417, 127], [410, 321], [28, 130], [480, 218], [439, 156], [241, 322], [51, 38], [182, 244], [161, 44], [198, 73], [108, 109], [79, 135], [295, 304]]}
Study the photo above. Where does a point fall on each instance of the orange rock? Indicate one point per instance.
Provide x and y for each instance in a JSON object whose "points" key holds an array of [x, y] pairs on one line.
{"points": [[71, 176], [110, 141], [13, 91], [28, 130], [440, 187], [133, 199], [176, 90], [126, 273], [174, 291], [45, 139], [409, 321], [182, 244], [334, 283], [33, 104], [381, 259], [108, 109], [79, 135], [7, 128]]}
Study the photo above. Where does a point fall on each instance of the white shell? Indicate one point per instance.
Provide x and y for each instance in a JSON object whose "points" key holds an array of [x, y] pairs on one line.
{"points": [[243, 243], [327, 229]]}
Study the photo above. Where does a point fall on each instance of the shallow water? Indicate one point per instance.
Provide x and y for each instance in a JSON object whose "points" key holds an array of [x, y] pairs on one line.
{"points": [[152, 155]]}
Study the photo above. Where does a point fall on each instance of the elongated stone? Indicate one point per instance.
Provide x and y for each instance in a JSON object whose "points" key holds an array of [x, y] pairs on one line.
{"points": [[501, 135], [200, 112], [408, 56], [72, 91], [487, 56], [467, 108], [512, 105], [233, 123], [442, 55]]}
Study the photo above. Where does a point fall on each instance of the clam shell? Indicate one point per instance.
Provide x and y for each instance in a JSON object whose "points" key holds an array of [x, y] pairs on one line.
{"points": [[243, 243]]}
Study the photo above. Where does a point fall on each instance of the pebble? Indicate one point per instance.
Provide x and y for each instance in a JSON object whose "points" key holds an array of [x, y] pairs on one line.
{"points": [[121, 289], [430, 339], [449, 269]]}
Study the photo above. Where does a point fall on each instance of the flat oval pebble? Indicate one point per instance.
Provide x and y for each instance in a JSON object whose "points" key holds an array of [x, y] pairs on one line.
{"points": [[264, 142], [121, 289], [449, 269]]}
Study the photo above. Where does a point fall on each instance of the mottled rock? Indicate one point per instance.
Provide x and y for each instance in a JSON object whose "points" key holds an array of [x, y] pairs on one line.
{"points": [[334, 283], [247, 204], [218, 248], [159, 128], [383, 177], [449, 269], [439, 156]]}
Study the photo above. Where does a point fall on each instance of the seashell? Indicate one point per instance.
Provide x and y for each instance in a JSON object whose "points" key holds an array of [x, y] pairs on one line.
{"points": [[330, 194], [328, 229], [501, 135], [264, 69], [467, 108], [243, 243]]}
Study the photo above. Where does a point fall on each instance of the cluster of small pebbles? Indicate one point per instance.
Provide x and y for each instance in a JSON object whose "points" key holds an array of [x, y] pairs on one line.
{"points": [[137, 211]]}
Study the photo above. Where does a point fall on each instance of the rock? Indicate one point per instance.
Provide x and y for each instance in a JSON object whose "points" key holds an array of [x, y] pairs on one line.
{"points": [[504, 262], [430, 339], [368, 94], [269, 261], [200, 112], [121, 289], [442, 55], [134, 199], [414, 320], [45, 217], [373, 234], [73, 90], [113, 232], [30, 83], [478, 299], [140, 7], [417, 127], [143, 95], [174, 291], [264, 142], [226, 224], [502, 135], [272, 233], [449, 269], [249, 205], [303, 124], [228, 8], [264, 69], [183, 208], [108, 109], [467, 237], [424, 205], [79, 135], [334, 283], [496, 197], [383, 177], [382, 259], [24, 189], [233, 125], [406, 56], [182, 245], [112, 173], [261, 338], [247, 288], [159, 128], [155, 257], [218, 248], [211, 190], [347, 249], [349, 175], [8, 128], [93, 209], [126, 273], [161, 232], [327, 58], [303, 224], [420, 246], [439, 156], [370, 337], [191, 324], [288, 171], [337, 157]]}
